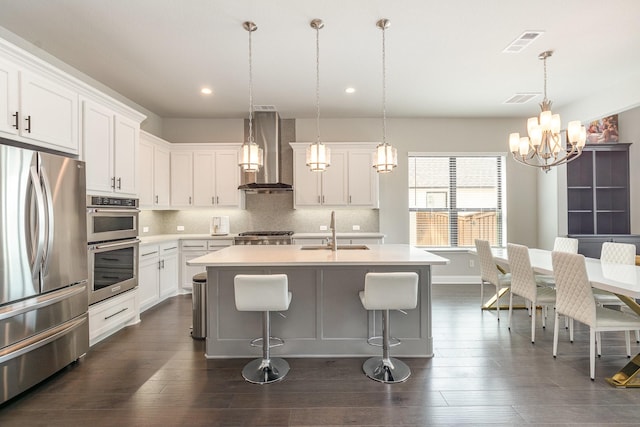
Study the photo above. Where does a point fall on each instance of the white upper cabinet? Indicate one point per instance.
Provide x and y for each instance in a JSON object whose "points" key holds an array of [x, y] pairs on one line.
{"points": [[110, 150], [350, 181], [97, 133], [216, 177], [307, 186], [363, 179], [181, 178], [127, 135], [334, 180], [162, 176], [214, 180], [49, 113], [8, 99], [154, 177]]}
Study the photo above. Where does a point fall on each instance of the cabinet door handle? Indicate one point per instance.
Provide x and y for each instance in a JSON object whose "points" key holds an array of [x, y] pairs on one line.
{"points": [[213, 201], [159, 265], [113, 182], [217, 200], [119, 183], [116, 313], [28, 120], [156, 199], [15, 125], [349, 199], [189, 199], [322, 199]]}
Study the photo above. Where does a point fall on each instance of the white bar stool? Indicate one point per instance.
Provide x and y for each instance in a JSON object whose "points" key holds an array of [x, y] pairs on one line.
{"points": [[267, 292], [388, 291]]}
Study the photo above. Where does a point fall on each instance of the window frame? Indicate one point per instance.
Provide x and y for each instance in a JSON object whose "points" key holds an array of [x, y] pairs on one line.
{"points": [[452, 210]]}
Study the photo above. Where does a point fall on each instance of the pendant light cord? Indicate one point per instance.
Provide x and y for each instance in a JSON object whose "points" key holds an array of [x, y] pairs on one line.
{"points": [[250, 91], [384, 89], [318, 83]]}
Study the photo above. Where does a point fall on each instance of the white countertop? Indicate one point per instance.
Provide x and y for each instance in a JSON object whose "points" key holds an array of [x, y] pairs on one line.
{"points": [[160, 238], [291, 255]]}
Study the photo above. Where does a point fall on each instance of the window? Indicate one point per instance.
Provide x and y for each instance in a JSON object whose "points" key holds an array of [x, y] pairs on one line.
{"points": [[454, 200]]}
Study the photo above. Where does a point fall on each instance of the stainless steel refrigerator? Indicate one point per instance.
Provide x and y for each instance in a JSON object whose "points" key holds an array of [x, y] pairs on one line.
{"points": [[43, 266]]}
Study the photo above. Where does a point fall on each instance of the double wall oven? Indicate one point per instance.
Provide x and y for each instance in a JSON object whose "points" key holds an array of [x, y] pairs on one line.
{"points": [[112, 234]]}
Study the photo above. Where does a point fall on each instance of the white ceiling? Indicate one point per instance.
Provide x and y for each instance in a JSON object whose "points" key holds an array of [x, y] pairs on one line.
{"points": [[444, 58]]}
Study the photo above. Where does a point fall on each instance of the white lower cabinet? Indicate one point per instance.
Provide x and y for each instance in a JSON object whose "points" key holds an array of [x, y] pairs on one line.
{"points": [[157, 273], [111, 315], [190, 249]]}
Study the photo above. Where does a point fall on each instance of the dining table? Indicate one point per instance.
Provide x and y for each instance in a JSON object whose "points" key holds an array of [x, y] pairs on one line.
{"points": [[621, 279]]}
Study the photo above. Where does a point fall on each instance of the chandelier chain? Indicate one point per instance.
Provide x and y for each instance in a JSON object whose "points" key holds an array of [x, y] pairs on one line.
{"points": [[544, 62]]}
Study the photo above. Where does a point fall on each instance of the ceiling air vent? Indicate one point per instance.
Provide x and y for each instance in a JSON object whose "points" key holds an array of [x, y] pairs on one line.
{"points": [[525, 39], [521, 98], [264, 108]]}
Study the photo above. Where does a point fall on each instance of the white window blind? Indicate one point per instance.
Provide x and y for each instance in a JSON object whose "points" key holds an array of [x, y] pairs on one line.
{"points": [[454, 200]]}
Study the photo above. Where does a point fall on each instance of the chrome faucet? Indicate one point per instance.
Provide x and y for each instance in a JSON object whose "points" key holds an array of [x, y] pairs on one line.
{"points": [[332, 225]]}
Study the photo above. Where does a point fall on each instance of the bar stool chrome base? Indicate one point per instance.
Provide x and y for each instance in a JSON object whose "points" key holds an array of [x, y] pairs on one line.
{"points": [[387, 371], [265, 371]]}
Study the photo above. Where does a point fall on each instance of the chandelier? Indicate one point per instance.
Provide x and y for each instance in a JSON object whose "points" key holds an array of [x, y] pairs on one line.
{"points": [[543, 148], [250, 153], [318, 154], [386, 156]]}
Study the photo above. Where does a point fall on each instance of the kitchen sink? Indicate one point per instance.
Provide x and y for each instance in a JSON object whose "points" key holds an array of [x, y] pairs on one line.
{"points": [[340, 247]]}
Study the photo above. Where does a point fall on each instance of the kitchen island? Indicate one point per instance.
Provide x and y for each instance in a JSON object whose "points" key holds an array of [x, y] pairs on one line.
{"points": [[325, 317]]}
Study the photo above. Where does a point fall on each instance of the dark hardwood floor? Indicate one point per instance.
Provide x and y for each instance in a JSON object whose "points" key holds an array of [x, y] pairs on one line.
{"points": [[154, 374]]}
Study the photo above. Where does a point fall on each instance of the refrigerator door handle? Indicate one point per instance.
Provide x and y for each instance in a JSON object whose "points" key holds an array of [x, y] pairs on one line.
{"points": [[35, 181], [49, 219]]}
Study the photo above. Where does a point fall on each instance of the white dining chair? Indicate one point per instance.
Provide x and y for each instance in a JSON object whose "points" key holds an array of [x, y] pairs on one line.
{"points": [[490, 274], [523, 283], [560, 244], [615, 253], [574, 298]]}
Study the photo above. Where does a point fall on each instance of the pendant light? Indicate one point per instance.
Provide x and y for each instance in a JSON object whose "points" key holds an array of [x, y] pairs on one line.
{"points": [[318, 154], [250, 153], [386, 156]]}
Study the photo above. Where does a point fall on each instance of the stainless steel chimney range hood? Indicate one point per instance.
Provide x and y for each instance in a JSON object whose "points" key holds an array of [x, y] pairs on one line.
{"points": [[266, 125]]}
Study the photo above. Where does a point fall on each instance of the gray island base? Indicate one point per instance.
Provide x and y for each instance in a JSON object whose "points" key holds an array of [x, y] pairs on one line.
{"points": [[325, 318]]}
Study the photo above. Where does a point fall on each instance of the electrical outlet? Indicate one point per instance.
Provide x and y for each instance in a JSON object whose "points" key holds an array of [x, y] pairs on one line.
{"points": [[180, 228], [356, 228], [472, 263], [145, 229], [323, 228]]}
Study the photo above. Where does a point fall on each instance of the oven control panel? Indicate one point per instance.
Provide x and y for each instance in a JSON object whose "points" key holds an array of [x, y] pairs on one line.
{"points": [[112, 201]]}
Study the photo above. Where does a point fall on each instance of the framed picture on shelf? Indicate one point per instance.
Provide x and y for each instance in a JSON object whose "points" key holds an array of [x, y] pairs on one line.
{"points": [[603, 130]]}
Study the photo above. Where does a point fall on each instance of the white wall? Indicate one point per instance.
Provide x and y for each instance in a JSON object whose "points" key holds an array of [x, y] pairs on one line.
{"points": [[202, 130]]}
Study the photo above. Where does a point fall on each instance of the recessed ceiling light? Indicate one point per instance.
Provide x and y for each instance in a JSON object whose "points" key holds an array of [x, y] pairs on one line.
{"points": [[206, 91], [350, 90]]}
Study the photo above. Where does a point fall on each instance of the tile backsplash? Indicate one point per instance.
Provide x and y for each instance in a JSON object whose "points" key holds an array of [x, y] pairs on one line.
{"points": [[262, 212]]}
